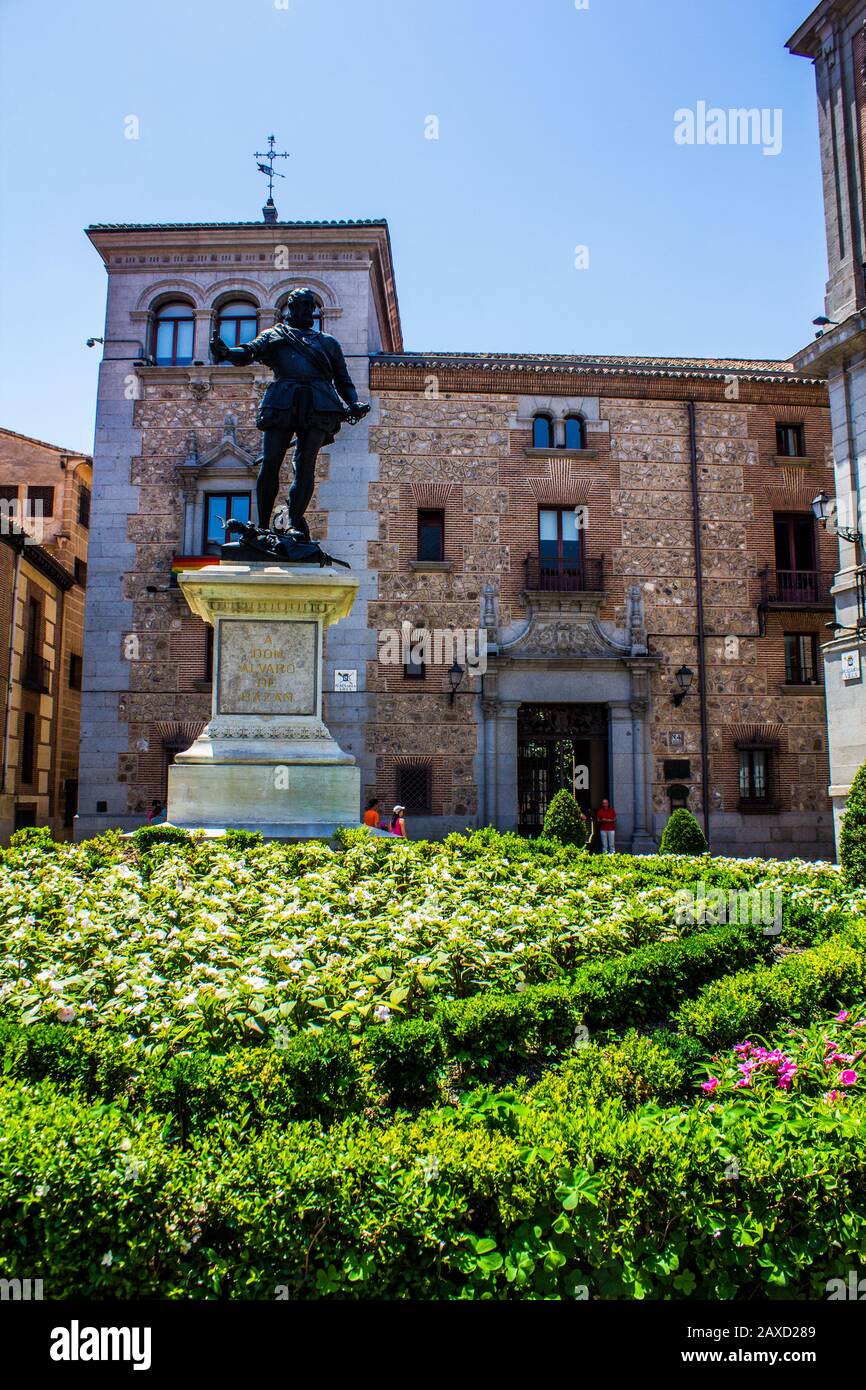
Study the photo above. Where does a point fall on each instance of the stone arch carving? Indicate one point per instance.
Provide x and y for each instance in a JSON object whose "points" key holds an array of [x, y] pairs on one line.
{"points": [[226, 288], [300, 282], [164, 290]]}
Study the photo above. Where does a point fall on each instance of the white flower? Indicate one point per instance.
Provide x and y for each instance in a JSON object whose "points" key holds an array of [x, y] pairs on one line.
{"points": [[382, 1013], [65, 1013], [107, 1259]]}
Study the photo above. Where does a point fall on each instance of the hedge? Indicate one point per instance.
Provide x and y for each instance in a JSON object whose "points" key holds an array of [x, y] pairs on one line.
{"points": [[320, 1075], [531, 1198], [733, 1009]]}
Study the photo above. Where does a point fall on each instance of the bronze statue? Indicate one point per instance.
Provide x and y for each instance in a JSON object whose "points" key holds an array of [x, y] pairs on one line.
{"points": [[310, 397]]}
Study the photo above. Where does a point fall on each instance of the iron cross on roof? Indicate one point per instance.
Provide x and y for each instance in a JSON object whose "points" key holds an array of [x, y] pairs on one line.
{"points": [[267, 168]]}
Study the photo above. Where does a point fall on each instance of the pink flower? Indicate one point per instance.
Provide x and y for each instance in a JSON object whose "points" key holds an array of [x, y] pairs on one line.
{"points": [[848, 1078], [710, 1085], [842, 1016], [834, 1095]]}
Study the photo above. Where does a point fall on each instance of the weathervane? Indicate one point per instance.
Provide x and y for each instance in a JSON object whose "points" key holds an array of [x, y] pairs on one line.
{"points": [[271, 173]]}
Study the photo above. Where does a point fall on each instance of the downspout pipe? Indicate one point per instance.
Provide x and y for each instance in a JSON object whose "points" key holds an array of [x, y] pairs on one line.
{"points": [[699, 598], [7, 703]]}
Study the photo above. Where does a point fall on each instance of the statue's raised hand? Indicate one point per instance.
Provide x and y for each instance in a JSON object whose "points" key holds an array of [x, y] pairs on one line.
{"points": [[218, 350], [356, 411]]}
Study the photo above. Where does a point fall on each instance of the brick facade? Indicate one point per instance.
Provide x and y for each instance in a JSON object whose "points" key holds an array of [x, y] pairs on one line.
{"points": [[453, 435]]}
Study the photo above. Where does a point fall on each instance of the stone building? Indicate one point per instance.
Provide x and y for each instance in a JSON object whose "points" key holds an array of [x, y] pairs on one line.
{"points": [[628, 543], [44, 521], [834, 37]]}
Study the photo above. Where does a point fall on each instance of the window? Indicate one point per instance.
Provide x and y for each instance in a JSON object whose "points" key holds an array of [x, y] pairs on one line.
{"points": [[8, 506], [208, 654], [789, 441], [31, 643], [801, 664], [575, 432], [25, 816], [40, 501], [173, 335], [431, 535], [70, 800], [560, 543], [84, 507], [414, 786], [28, 747], [76, 670], [220, 507], [80, 571], [754, 775], [237, 323], [542, 432], [794, 544], [415, 671]]}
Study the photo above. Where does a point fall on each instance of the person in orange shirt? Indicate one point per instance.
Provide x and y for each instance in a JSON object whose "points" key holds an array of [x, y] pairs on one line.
{"points": [[371, 813], [606, 821]]}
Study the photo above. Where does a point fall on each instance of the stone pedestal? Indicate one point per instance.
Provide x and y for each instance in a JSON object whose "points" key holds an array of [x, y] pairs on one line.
{"points": [[266, 761]]}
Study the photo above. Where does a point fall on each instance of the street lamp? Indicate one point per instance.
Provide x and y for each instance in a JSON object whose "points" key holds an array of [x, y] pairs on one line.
{"points": [[455, 676], [824, 511], [685, 676]]}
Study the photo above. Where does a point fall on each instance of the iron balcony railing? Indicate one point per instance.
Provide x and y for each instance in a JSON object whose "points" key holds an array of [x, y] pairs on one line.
{"points": [[796, 588], [583, 576]]}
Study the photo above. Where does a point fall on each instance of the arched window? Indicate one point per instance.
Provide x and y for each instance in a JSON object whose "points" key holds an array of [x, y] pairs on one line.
{"points": [[542, 432], [575, 432], [173, 335], [237, 322], [317, 314]]}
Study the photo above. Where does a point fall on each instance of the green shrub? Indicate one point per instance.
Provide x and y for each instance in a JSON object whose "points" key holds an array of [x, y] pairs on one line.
{"points": [[406, 1059], [32, 837], [236, 838], [852, 840], [147, 836], [649, 983], [488, 1030], [564, 820], [731, 1010], [568, 1200], [634, 1070], [683, 835]]}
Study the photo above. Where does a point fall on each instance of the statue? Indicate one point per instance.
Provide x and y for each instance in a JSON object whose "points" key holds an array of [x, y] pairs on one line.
{"points": [[311, 396]]}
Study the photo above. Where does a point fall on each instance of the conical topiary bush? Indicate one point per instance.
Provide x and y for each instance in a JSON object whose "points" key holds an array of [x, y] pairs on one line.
{"points": [[683, 835], [852, 840], [564, 820]]}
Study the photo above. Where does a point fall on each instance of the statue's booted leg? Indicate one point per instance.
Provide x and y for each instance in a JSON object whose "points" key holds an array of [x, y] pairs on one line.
{"points": [[307, 449], [275, 443]]}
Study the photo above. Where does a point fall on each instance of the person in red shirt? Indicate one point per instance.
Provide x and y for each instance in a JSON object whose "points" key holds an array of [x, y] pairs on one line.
{"points": [[371, 813], [606, 820]]}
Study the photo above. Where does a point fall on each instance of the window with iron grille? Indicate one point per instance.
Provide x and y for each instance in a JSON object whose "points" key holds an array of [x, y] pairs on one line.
{"points": [[8, 502], [801, 665], [84, 507], [790, 442], [414, 789], [431, 535], [755, 775]]}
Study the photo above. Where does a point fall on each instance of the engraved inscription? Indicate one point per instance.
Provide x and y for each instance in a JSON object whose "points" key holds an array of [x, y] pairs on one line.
{"points": [[267, 667]]}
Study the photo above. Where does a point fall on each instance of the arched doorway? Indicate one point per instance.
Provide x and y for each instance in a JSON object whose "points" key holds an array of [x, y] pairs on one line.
{"points": [[560, 745]]}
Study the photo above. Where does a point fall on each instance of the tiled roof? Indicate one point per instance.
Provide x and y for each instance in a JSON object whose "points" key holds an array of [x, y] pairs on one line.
{"points": [[228, 226], [43, 444], [598, 366]]}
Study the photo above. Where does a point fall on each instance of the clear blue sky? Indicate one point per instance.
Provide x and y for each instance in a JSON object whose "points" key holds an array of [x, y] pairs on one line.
{"points": [[556, 129]]}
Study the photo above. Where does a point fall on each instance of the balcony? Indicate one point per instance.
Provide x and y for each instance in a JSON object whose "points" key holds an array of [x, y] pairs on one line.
{"points": [[36, 674], [796, 588], [585, 576]]}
